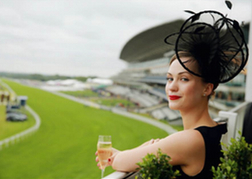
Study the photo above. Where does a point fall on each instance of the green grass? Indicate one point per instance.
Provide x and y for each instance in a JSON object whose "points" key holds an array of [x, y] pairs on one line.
{"points": [[84, 93], [64, 145], [113, 102], [8, 128], [94, 97], [145, 115], [177, 127]]}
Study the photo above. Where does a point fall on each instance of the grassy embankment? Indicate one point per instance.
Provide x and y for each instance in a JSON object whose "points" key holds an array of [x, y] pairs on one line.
{"points": [[94, 97], [113, 101], [64, 145]]}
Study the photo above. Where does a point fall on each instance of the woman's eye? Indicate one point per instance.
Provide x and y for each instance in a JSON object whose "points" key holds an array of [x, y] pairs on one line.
{"points": [[184, 79], [169, 79]]}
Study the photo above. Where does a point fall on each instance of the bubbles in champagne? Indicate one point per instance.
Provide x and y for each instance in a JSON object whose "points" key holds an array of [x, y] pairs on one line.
{"points": [[104, 152]]}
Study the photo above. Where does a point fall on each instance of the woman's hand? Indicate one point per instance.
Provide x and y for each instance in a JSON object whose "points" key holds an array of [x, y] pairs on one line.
{"points": [[97, 159], [110, 159], [115, 152]]}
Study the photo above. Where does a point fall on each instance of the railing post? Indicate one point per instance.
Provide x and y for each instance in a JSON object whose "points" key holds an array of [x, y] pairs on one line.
{"points": [[231, 125]]}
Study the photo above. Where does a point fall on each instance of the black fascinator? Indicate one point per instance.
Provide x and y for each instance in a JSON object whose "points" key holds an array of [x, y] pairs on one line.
{"points": [[216, 42]]}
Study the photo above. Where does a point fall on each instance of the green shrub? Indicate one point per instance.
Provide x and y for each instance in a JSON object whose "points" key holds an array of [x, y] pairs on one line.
{"points": [[237, 161], [156, 167]]}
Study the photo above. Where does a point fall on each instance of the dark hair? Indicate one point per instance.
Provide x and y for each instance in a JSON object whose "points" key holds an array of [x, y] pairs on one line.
{"points": [[192, 58]]}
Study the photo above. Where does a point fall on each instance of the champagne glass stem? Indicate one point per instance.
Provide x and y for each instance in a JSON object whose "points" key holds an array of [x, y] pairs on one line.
{"points": [[102, 173]]}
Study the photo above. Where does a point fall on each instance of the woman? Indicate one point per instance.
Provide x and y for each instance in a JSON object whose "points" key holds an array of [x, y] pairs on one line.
{"points": [[204, 58]]}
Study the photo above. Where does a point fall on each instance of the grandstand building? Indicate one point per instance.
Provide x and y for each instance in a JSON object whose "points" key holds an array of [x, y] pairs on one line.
{"points": [[148, 57]]}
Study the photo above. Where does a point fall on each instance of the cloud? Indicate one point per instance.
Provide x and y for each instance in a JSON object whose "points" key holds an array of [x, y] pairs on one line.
{"points": [[86, 37]]}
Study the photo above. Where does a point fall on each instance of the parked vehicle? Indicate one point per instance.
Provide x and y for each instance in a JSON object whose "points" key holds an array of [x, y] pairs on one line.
{"points": [[15, 116]]}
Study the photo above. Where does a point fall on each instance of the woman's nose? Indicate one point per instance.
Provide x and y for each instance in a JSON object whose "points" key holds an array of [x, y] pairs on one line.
{"points": [[171, 86]]}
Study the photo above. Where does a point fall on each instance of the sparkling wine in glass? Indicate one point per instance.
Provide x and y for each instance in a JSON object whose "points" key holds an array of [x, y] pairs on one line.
{"points": [[104, 148]]}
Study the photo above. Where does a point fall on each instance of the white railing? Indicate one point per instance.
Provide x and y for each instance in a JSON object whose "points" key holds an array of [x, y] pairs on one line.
{"points": [[17, 137], [235, 119], [240, 110], [121, 175]]}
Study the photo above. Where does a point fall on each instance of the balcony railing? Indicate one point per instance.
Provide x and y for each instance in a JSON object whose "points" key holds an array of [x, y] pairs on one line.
{"points": [[121, 175], [234, 119]]}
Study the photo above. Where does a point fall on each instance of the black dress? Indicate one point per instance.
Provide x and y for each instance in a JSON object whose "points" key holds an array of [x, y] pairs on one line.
{"points": [[212, 137]]}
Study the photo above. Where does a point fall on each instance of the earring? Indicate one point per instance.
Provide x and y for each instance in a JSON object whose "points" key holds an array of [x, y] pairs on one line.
{"points": [[204, 94]]}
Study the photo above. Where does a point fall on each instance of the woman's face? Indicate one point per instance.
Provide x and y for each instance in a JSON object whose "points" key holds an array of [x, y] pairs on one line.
{"points": [[183, 89]]}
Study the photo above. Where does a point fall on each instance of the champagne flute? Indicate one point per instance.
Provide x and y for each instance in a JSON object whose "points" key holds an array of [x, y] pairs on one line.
{"points": [[104, 148]]}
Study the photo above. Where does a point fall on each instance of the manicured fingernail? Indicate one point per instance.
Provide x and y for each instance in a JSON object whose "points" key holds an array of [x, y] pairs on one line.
{"points": [[109, 160]]}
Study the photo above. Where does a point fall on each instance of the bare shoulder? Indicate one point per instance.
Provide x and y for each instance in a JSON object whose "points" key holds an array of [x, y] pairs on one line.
{"points": [[187, 137], [183, 145]]}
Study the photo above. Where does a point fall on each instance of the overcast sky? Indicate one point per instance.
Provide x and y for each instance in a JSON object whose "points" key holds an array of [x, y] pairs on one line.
{"points": [[85, 37]]}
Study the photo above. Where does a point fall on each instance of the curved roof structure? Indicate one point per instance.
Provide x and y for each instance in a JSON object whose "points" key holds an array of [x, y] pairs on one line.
{"points": [[149, 45]]}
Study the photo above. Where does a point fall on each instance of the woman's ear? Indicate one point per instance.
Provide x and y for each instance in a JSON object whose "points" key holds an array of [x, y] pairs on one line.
{"points": [[208, 89]]}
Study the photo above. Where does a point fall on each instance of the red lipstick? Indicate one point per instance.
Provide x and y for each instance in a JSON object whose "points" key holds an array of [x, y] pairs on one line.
{"points": [[174, 97]]}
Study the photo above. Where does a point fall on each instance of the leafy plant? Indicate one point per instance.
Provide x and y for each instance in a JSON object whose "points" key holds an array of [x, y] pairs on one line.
{"points": [[237, 161], [156, 167]]}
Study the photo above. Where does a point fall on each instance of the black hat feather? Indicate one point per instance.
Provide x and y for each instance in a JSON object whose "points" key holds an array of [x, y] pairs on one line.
{"points": [[215, 41]]}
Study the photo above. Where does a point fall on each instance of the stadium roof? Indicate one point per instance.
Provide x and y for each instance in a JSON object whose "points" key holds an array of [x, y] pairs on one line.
{"points": [[149, 44]]}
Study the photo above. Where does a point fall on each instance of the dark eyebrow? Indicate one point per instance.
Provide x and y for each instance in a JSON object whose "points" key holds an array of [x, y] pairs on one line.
{"points": [[180, 73]]}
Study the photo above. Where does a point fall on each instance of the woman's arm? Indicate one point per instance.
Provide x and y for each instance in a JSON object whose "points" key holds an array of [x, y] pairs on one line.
{"points": [[152, 141], [183, 147]]}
